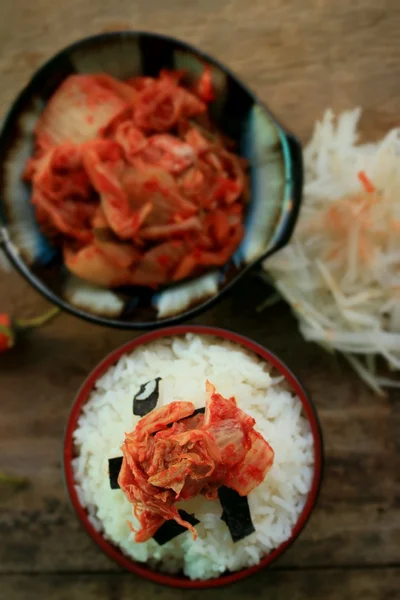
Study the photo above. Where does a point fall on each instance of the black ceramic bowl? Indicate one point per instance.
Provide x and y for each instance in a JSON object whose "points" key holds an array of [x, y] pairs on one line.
{"points": [[276, 181]]}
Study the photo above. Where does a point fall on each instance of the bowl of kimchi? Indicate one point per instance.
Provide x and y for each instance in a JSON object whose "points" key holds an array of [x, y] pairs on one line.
{"points": [[140, 180]]}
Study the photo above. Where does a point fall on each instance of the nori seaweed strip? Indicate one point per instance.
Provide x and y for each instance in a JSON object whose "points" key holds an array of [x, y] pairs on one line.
{"points": [[142, 406], [114, 467], [198, 411], [170, 529], [236, 513]]}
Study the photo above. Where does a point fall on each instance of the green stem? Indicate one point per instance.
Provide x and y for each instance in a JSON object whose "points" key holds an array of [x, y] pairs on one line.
{"points": [[14, 480], [36, 321], [270, 301], [6, 330]]}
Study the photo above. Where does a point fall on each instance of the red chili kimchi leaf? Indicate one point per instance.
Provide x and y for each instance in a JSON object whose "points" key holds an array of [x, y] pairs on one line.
{"points": [[179, 229], [63, 195], [92, 264], [120, 253], [80, 108], [174, 454], [164, 151], [157, 264], [130, 138], [158, 187], [163, 102]]}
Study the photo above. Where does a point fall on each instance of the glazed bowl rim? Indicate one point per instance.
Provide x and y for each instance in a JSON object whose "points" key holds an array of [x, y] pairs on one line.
{"points": [[110, 549]]}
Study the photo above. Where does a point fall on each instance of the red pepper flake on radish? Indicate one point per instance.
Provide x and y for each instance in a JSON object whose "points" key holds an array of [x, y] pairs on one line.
{"points": [[367, 183]]}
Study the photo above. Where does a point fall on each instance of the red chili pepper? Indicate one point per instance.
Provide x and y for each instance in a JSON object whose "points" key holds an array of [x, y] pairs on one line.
{"points": [[7, 337], [9, 328], [205, 89]]}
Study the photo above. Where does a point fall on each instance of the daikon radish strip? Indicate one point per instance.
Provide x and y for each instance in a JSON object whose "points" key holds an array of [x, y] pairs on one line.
{"points": [[341, 271]]}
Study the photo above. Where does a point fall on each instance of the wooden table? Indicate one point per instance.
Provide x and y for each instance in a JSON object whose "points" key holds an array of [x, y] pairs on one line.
{"points": [[300, 56]]}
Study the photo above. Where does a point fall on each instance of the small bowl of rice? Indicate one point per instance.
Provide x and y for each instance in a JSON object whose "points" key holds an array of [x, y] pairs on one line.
{"points": [[263, 470]]}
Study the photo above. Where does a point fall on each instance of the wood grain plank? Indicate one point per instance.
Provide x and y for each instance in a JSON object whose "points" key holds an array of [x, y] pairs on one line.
{"points": [[299, 57], [47, 541], [376, 584]]}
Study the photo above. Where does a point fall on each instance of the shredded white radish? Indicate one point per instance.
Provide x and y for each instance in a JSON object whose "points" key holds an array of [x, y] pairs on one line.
{"points": [[341, 271]]}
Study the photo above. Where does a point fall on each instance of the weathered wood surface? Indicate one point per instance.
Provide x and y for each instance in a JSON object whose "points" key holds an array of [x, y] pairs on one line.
{"points": [[277, 584], [300, 57]]}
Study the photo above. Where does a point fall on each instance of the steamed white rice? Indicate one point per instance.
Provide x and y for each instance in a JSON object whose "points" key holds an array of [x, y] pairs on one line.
{"points": [[184, 363]]}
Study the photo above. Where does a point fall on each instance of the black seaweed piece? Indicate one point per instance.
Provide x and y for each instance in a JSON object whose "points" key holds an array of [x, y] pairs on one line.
{"points": [[198, 411], [114, 467], [145, 405], [236, 513], [170, 529]]}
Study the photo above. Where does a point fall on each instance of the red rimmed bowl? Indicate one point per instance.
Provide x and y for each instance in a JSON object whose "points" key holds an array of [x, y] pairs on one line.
{"points": [[181, 581]]}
